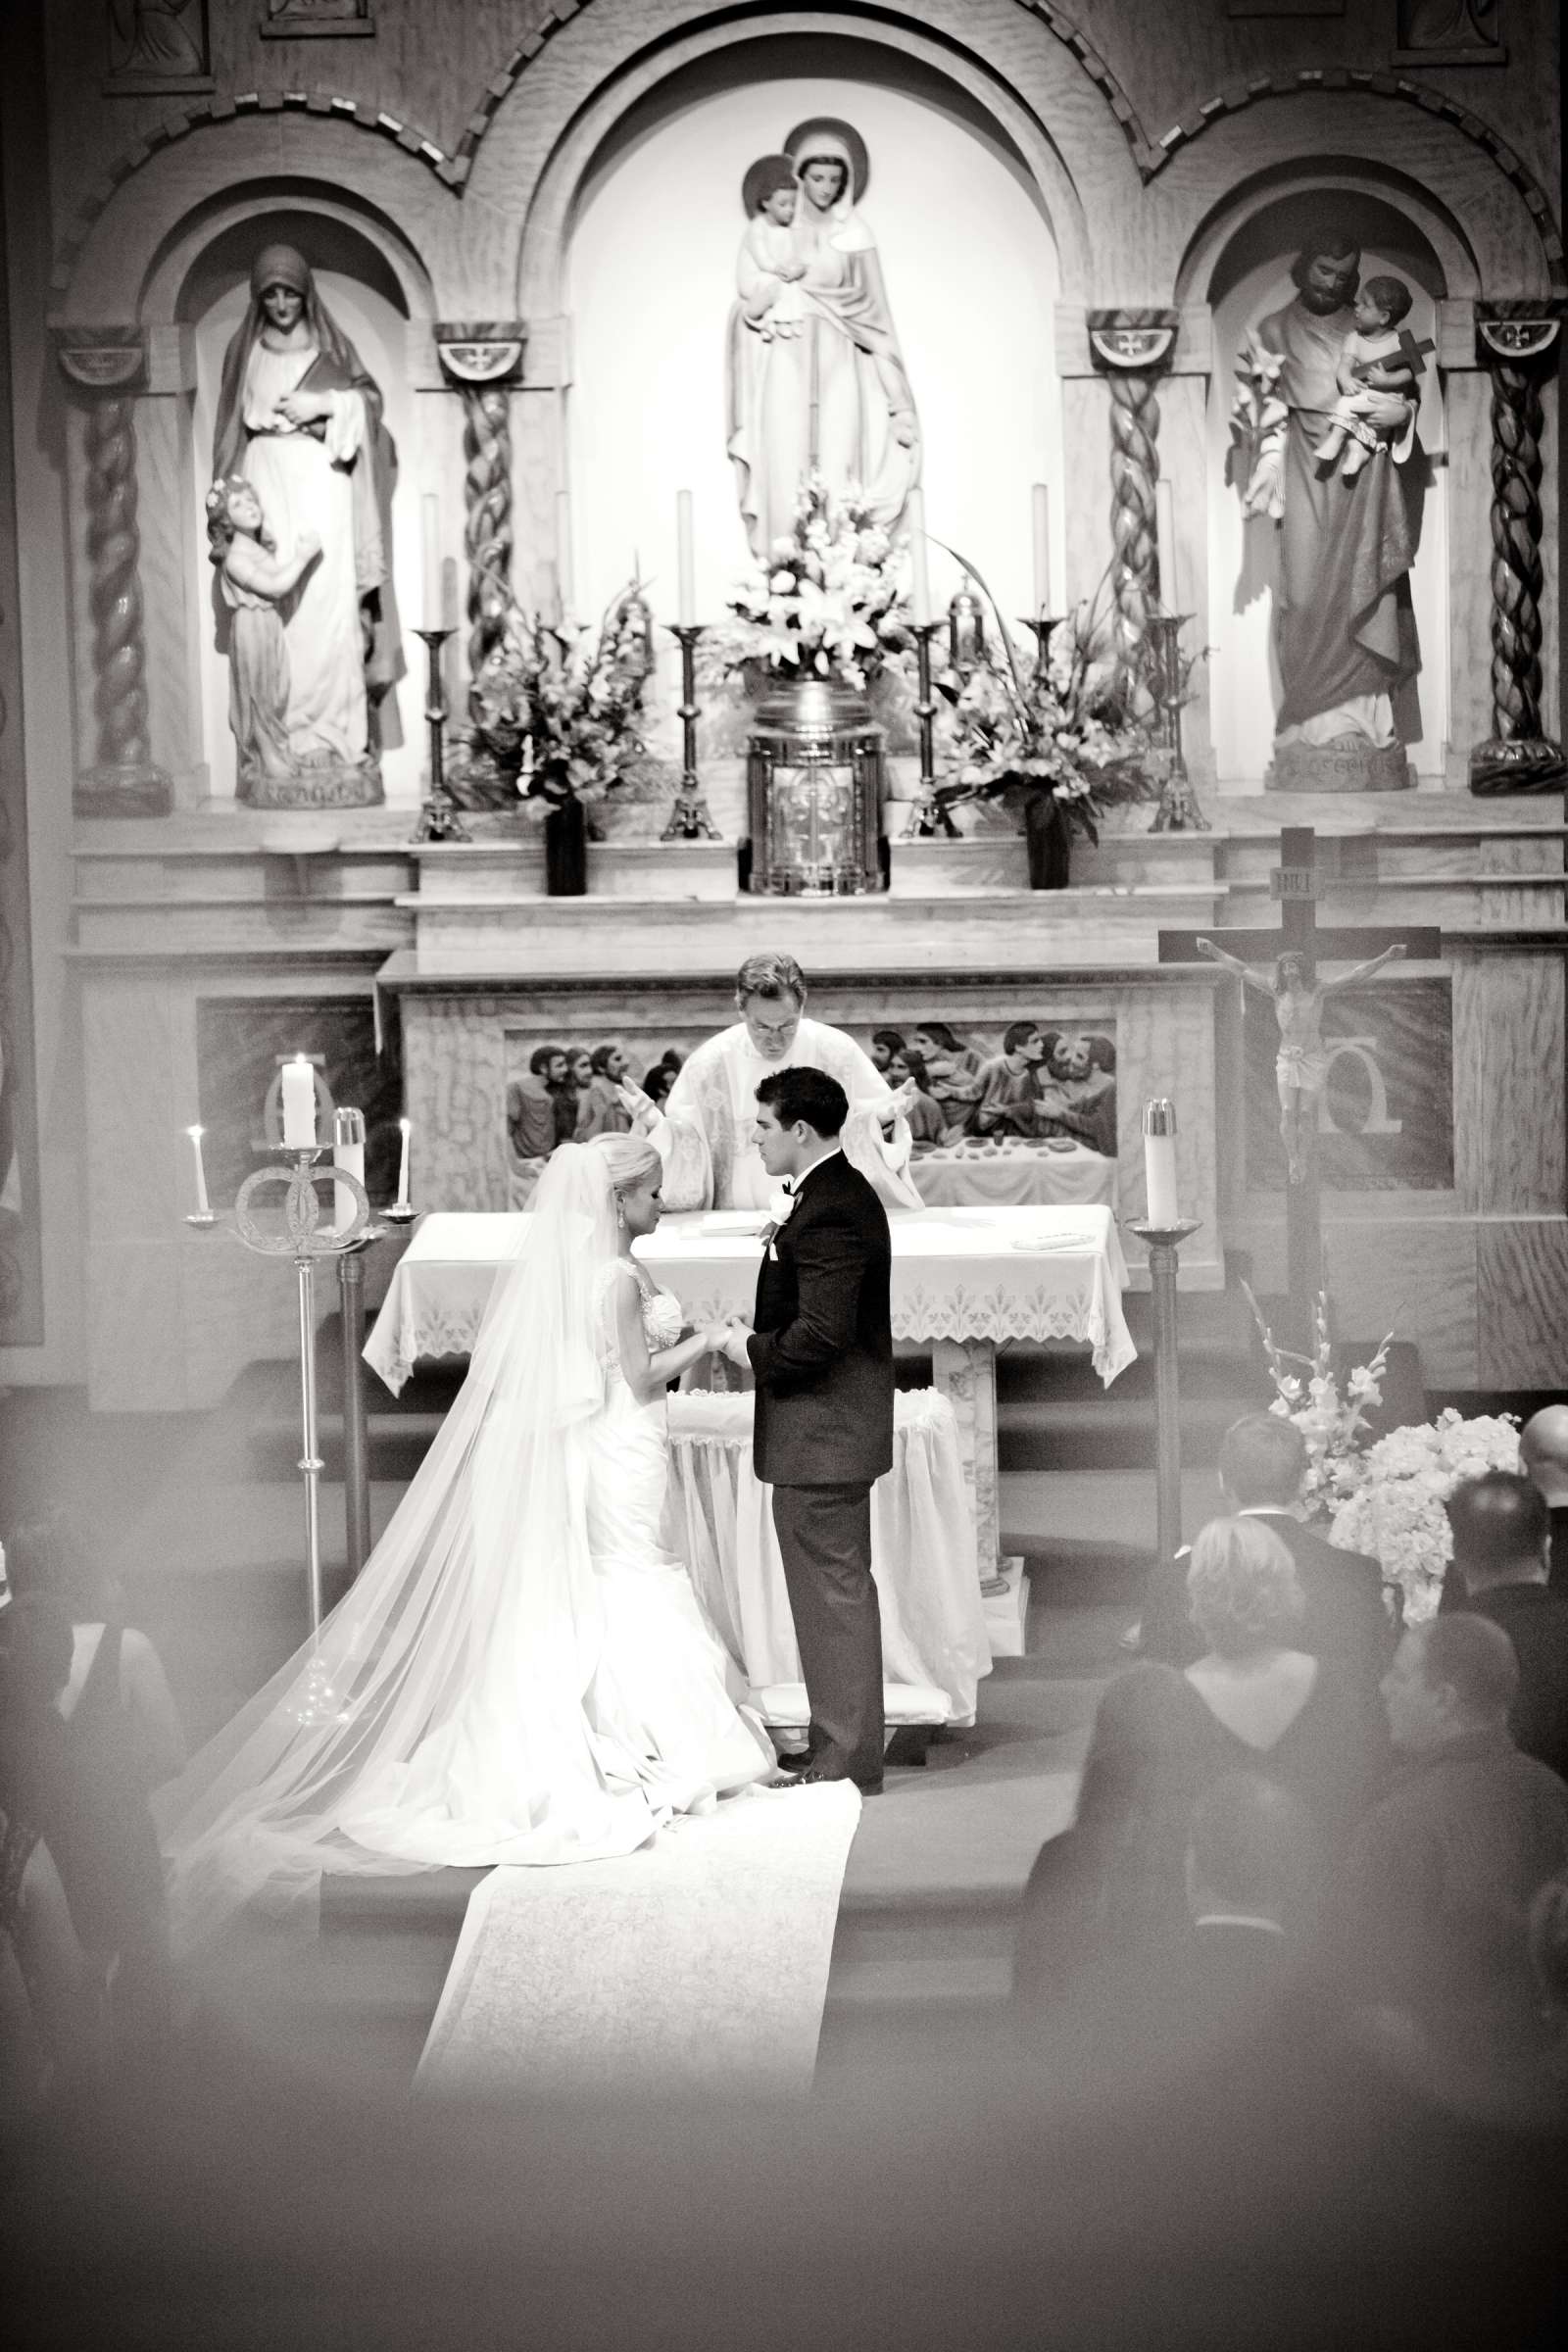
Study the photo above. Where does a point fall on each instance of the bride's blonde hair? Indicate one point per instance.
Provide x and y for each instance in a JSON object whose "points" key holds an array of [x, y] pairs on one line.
{"points": [[628, 1159]]}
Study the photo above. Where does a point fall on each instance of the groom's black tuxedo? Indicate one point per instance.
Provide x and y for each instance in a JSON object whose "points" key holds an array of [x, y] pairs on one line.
{"points": [[822, 1352]]}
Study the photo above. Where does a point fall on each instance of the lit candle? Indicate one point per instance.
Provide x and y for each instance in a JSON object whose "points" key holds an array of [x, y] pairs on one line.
{"points": [[299, 1105], [1160, 1163], [431, 518], [563, 580], [1042, 542], [685, 561], [204, 1208], [404, 1129], [348, 1154], [449, 593], [920, 571], [1166, 534]]}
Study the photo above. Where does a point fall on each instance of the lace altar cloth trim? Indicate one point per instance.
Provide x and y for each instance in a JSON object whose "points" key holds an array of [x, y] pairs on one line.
{"points": [[987, 1278]]}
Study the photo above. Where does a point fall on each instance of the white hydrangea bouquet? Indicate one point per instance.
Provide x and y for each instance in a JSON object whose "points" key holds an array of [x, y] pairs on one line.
{"points": [[828, 601], [1333, 1420], [1396, 1511]]}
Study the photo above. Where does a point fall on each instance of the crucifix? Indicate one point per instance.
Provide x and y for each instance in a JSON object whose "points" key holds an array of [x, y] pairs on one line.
{"points": [[1297, 996]]}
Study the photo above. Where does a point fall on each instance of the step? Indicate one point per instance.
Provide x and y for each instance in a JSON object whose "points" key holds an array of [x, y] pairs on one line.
{"points": [[1109, 1433]]}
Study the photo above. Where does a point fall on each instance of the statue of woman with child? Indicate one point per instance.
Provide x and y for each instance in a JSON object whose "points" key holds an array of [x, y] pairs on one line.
{"points": [[299, 525], [816, 382]]}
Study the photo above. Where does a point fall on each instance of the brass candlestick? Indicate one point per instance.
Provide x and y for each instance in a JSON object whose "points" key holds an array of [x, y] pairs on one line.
{"points": [[929, 817], [1164, 1251], [689, 819], [438, 815], [1178, 810]]}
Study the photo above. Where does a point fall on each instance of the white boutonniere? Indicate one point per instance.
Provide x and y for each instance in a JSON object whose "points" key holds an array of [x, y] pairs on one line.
{"points": [[779, 1207]]}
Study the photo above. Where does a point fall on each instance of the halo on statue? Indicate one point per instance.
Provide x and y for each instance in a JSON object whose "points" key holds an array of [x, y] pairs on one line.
{"points": [[847, 144]]}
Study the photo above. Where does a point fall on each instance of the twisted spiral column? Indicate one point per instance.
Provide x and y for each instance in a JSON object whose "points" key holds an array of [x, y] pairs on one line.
{"points": [[1517, 756], [123, 775], [487, 525], [1134, 470]]}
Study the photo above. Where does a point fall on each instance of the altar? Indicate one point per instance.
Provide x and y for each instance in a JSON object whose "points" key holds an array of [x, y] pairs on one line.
{"points": [[964, 1282]]}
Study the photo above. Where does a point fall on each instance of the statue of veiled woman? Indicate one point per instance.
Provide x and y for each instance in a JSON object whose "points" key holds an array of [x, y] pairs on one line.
{"points": [[299, 417], [834, 396]]}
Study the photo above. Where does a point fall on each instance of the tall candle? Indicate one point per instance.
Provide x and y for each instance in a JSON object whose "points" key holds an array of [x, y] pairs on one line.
{"points": [[430, 516], [1160, 1163], [919, 569], [406, 1129], [204, 1208], [1165, 533], [685, 561], [1041, 546], [299, 1105], [449, 593], [565, 586], [348, 1154]]}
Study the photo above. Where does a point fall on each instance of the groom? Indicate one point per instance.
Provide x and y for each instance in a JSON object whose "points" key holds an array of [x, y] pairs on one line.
{"points": [[822, 1352]]}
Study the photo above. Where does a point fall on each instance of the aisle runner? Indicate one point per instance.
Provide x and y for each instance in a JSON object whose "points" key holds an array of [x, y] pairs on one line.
{"points": [[700, 1962]]}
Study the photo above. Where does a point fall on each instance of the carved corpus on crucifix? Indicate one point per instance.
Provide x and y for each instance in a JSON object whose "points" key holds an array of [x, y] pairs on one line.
{"points": [[1297, 996]]}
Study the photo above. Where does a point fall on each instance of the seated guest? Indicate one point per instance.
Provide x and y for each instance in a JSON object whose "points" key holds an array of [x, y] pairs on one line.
{"points": [[1009, 1091], [1262, 1463], [531, 1122], [705, 1131], [1501, 1539], [927, 1126], [600, 1108], [48, 2002], [121, 1738], [1431, 1906], [1544, 1452], [886, 1045], [1255, 1702]]}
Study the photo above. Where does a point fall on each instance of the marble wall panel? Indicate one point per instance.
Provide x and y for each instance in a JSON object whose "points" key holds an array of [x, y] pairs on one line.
{"points": [[1416, 1279], [1522, 1302], [1509, 1062]]}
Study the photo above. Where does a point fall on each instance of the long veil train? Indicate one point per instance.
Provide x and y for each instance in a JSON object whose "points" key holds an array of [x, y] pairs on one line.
{"points": [[439, 1716]]}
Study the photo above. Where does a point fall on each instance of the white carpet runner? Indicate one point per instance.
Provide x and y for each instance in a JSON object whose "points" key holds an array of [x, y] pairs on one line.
{"points": [[698, 1963]]}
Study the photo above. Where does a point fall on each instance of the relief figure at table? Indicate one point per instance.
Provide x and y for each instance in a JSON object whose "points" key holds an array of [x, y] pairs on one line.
{"points": [[300, 416], [705, 1129], [1010, 1084], [522, 1672]]}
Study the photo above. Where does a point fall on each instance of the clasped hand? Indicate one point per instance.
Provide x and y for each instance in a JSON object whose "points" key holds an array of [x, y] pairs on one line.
{"points": [[729, 1339]]}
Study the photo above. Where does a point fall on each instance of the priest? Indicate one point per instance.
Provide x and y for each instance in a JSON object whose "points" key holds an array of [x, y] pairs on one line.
{"points": [[704, 1131]]}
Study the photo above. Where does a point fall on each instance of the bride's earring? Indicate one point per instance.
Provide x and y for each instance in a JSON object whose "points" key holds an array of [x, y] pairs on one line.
{"points": [[620, 1217]]}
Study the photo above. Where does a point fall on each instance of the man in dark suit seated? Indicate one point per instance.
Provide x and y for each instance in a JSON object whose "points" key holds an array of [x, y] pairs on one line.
{"points": [[1543, 1452], [1501, 1542], [1262, 1463], [822, 1353]]}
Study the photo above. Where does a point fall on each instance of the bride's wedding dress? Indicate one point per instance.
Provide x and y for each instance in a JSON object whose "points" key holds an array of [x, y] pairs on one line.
{"points": [[522, 1674]]}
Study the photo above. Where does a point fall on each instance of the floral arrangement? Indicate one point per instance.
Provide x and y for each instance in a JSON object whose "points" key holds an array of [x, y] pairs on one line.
{"points": [[1396, 1511], [828, 601], [559, 708], [1333, 1420], [1056, 726]]}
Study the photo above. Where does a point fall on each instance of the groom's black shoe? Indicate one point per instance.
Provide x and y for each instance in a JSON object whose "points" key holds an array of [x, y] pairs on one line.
{"points": [[812, 1778], [795, 1759]]}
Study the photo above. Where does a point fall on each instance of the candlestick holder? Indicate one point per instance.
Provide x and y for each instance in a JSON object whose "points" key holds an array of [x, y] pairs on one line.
{"points": [[1178, 810], [438, 814], [1042, 629], [689, 819], [1164, 1244], [303, 1235], [929, 817]]}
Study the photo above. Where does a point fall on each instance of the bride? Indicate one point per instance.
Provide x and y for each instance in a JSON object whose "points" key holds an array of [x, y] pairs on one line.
{"points": [[522, 1672]]}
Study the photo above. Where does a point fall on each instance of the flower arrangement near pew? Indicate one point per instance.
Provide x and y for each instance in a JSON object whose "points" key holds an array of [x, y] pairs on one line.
{"points": [[1332, 1417], [828, 603], [1052, 735], [1396, 1511], [556, 710]]}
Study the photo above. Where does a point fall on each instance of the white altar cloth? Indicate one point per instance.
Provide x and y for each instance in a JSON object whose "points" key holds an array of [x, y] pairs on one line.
{"points": [[1012, 1175], [958, 1274], [718, 1520]]}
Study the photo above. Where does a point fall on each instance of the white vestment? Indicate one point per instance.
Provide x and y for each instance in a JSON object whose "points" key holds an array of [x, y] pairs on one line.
{"points": [[703, 1134]]}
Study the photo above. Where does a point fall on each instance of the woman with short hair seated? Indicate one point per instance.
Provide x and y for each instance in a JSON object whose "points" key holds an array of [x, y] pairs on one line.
{"points": [[1254, 1703]]}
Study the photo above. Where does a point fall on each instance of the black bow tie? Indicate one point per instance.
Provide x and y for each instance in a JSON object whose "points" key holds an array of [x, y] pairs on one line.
{"points": [[788, 1185]]}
